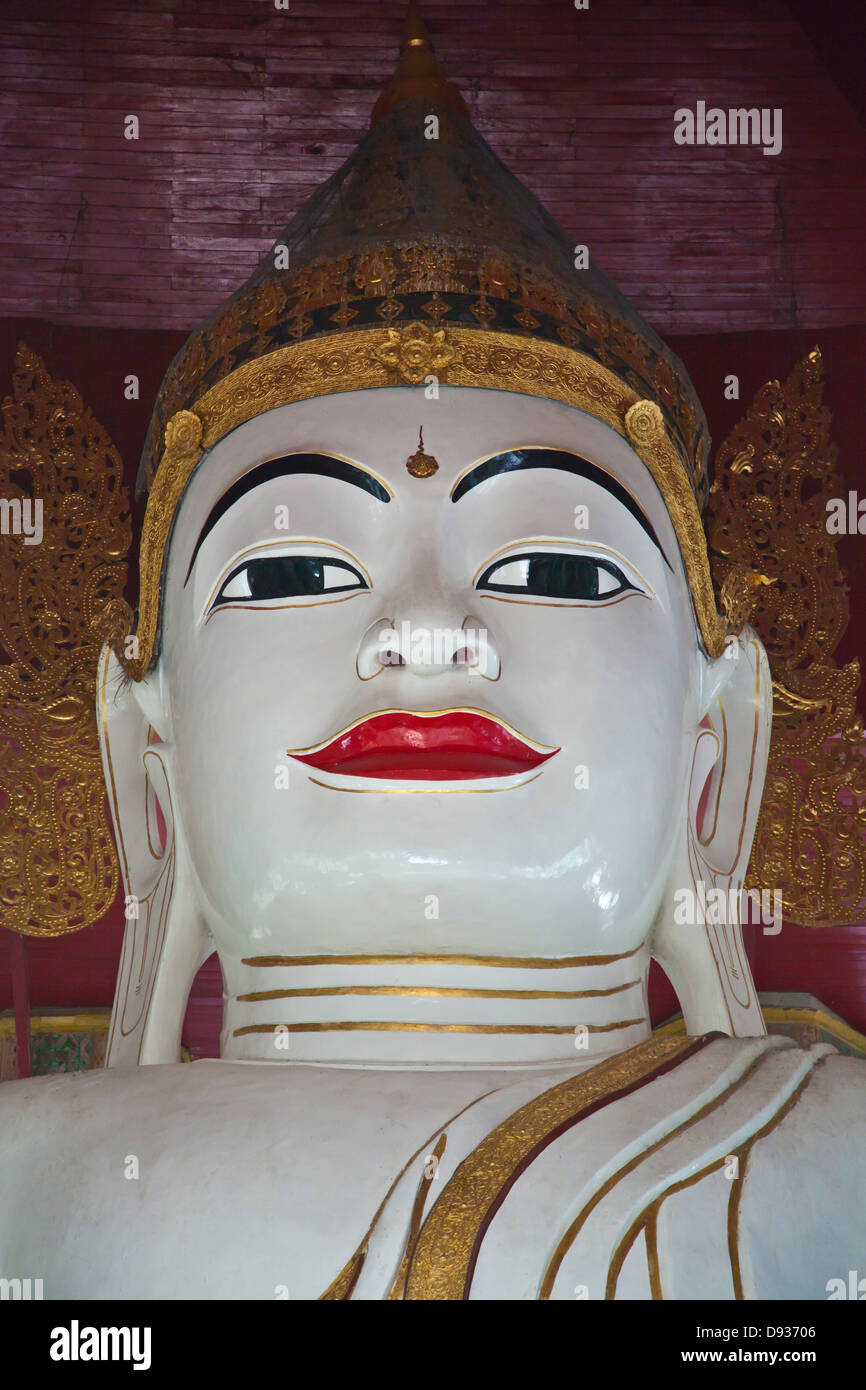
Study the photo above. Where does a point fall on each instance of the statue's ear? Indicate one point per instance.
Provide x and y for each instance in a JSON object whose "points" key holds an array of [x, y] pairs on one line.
{"points": [[165, 939], [697, 934]]}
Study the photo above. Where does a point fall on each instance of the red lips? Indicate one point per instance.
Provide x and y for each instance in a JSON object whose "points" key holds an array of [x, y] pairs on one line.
{"points": [[449, 745]]}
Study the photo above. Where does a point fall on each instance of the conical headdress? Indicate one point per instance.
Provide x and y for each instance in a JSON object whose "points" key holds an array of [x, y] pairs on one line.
{"points": [[423, 255]]}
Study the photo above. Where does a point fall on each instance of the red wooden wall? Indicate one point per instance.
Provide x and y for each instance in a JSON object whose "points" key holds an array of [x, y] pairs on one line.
{"points": [[244, 108]]}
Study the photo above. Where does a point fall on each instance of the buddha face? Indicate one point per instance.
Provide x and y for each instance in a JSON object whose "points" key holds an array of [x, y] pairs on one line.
{"points": [[447, 713]]}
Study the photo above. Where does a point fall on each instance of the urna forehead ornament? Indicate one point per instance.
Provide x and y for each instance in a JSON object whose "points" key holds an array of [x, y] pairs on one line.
{"points": [[423, 255]]}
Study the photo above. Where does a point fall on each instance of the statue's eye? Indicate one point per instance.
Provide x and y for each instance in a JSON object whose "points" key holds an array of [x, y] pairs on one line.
{"points": [[552, 575], [289, 576]]}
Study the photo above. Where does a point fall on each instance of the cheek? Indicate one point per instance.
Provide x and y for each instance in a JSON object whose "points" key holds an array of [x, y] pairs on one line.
{"points": [[615, 688], [273, 673], [244, 688], [612, 671]]}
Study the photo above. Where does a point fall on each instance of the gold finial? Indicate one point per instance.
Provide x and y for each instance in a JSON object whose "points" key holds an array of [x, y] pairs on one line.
{"points": [[421, 465], [417, 73]]}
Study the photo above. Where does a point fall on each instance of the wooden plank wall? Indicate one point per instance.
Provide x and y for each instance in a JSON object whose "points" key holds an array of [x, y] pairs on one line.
{"points": [[244, 108]]}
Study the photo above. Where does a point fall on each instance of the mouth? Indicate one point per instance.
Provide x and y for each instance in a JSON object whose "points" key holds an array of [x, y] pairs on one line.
{"points": [[454, 745]]}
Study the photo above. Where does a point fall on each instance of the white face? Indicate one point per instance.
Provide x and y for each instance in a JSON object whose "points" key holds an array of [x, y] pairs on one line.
{"points": [[541, 822]]}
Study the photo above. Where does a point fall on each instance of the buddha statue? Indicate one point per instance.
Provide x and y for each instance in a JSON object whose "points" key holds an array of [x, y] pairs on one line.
{"points": [[428, 722]]}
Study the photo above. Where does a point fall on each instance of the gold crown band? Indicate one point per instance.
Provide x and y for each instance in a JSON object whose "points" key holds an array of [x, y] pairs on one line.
{"points": [[369, 358]]}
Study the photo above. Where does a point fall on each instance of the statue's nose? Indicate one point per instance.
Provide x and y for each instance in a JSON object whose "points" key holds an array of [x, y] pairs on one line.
{"points": [[427, 648]]}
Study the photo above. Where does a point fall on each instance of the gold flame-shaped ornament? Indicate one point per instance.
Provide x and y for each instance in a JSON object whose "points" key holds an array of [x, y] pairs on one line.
{"points": [[767, 513], [60, 598]]}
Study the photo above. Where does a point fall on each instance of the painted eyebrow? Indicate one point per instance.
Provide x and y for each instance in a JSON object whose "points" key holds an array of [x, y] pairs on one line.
{"points": [[326, 465], [518, 460]]}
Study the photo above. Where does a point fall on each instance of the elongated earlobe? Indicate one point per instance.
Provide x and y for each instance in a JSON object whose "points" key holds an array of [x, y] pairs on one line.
{"points": [[164, 939], [697, 935]]}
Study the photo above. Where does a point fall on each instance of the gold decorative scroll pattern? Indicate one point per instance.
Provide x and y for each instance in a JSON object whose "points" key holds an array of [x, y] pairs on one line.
{"points": [[60, 598], [768, 512]]}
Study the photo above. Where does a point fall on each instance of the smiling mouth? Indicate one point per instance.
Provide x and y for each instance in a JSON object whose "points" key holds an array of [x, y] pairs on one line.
{"points": [[453, 745]]}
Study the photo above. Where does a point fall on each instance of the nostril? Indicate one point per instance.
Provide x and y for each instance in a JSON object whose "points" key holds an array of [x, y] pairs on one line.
{"points": [[463, 657], [390, 657]]}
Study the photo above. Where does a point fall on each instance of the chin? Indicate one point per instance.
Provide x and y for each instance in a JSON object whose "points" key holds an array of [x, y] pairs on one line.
{"points": [[431, 901]]}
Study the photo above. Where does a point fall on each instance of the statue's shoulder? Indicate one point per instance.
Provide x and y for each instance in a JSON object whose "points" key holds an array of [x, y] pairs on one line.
{"points": [[61, 1089], [77, 1110], [42, 1102], [36, 1111]]}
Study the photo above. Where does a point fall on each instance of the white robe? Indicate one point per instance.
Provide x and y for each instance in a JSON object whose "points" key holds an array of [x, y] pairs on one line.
{"points": [[682, 1168]]}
